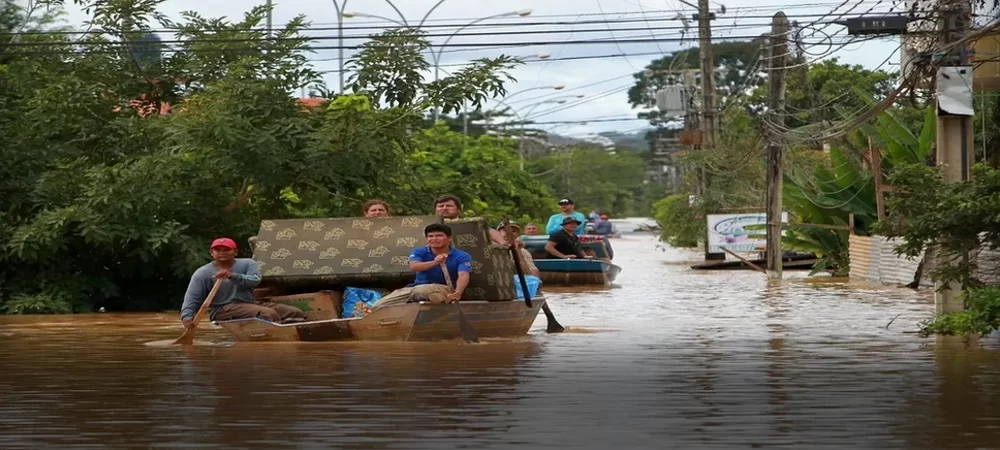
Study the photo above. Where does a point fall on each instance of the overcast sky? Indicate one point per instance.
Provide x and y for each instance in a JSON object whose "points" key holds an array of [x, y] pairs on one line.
{"points": [[602, 81]]}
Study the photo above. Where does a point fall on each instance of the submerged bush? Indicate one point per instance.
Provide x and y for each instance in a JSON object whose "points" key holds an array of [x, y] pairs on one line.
{"points": [[981, 315]]}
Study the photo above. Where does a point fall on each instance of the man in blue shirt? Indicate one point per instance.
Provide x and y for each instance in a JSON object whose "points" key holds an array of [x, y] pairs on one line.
{"points": [[429, 283], [568, 209]]}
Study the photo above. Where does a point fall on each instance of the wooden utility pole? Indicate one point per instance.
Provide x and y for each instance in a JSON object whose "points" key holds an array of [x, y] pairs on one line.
{"points": [[708, 124], [709, 121], [954, 131], [776, 76]]}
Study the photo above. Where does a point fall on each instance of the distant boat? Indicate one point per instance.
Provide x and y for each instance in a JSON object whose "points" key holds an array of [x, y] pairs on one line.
{"points": [[571, 272]]}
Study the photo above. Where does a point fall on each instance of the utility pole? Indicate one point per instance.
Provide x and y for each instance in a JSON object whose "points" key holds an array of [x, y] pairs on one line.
{"points": [[776, 106], [709, 120], [709, 123], [954, 131]]}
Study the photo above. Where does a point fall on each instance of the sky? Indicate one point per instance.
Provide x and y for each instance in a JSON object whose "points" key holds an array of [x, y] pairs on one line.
{"points": [[601, 81]]}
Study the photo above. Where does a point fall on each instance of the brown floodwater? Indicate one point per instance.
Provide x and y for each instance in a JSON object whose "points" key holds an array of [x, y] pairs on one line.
{"points": [[666, 358]]}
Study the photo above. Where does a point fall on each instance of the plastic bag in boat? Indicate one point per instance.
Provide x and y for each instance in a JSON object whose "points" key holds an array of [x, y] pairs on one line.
{"points": [[533, 284], [358, 302]]}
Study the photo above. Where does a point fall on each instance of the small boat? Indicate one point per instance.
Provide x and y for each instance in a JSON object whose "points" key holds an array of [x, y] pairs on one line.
{"points": [[407, 322], [571, 272]]}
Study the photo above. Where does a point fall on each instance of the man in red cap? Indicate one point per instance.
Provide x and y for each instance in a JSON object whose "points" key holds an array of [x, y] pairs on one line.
{"points": [[234, 299]]}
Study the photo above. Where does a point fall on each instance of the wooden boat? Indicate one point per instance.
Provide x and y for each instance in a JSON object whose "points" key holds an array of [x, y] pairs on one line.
{"points": [[310, 264], [571, 272], [408, 322]]}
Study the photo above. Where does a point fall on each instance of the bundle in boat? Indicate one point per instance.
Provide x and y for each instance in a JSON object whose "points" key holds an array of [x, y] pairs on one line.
{"points": [[493, 271], [311, 255]]}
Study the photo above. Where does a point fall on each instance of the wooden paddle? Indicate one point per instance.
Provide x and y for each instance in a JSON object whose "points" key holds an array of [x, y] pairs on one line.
{"points": [[468, 333], [188, 337], [552, 325]]}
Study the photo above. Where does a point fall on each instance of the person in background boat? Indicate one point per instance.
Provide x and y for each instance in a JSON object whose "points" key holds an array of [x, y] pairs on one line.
{"points": [[531, 229], [563, 243], [527, 262], [429, 283], [234, 299], [450, 207], [375, 208], [602, 225], [604, 228], [568, 209]]}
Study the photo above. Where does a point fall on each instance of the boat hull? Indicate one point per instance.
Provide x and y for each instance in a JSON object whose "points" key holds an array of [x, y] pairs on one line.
{"points": [[572, 272], [408, 322]]}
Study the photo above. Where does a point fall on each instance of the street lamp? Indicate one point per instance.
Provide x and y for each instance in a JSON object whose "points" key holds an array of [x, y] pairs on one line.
{"points": [[436, 56], [340, 38], [557, 87], [523, 118]]}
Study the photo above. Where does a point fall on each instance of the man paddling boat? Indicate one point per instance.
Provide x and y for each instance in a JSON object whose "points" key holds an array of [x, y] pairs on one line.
{"points": [[234, 299], [429, 283]]}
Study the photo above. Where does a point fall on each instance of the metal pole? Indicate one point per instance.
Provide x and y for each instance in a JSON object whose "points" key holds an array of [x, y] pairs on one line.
{"points": [[437, 56], [269, 9], [340, 38], [779, 56]]}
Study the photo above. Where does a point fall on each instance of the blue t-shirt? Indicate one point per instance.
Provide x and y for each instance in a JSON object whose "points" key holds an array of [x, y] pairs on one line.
{"points": [[458, 261], [555, 223]]}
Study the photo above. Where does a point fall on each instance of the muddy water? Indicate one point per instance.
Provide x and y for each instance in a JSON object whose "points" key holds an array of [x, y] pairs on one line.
{"points": [[668, 358]]}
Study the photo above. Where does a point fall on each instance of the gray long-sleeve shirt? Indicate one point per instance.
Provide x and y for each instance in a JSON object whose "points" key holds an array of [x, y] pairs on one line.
{"points": [[238, 288]]}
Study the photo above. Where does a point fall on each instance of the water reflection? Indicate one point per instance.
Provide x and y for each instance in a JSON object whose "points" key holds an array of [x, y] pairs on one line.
{"points": [[668, 358]]}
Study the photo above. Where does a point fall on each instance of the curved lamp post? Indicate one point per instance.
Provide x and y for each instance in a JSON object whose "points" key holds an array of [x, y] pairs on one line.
{"points": [[436, 56], [522, 118]]}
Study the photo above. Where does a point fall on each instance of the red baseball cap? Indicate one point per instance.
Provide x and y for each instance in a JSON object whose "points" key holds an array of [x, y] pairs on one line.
{"points": [[224, 242]]}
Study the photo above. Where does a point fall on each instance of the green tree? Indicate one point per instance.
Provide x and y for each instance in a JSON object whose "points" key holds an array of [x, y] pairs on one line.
{"points": [[814, 89], [105, 204], [739, 59], [595, 178], [482, 171]]}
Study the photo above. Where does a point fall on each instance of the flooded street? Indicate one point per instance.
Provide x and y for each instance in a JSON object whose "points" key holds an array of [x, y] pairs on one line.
{"points": [[666, 358]]}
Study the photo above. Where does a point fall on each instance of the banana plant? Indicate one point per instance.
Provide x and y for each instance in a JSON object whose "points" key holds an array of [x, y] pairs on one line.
{"points": [[828, 195]]}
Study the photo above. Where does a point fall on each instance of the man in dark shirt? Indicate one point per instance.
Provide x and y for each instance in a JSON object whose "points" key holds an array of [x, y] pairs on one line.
{"points": [[564, 244]]}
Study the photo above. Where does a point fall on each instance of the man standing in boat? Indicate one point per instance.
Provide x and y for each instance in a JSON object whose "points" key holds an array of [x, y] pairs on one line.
{"points": [[429, 283], [568, 209], [234, 299], [563, 243]]}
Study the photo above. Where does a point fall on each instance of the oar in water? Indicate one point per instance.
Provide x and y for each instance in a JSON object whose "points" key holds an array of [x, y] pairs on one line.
{"points": [[552, 325], [468, 333], [188, 337]]}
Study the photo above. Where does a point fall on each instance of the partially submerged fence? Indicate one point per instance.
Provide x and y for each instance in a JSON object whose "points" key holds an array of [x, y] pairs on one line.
{"points": [[873, 259]]}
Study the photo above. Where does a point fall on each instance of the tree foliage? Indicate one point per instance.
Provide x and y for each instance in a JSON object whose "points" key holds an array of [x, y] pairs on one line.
{"points": [[117, 174], [596, 179]]}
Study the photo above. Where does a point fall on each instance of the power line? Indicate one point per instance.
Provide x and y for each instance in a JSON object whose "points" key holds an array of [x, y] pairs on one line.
{"points": [[512, 24]]}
